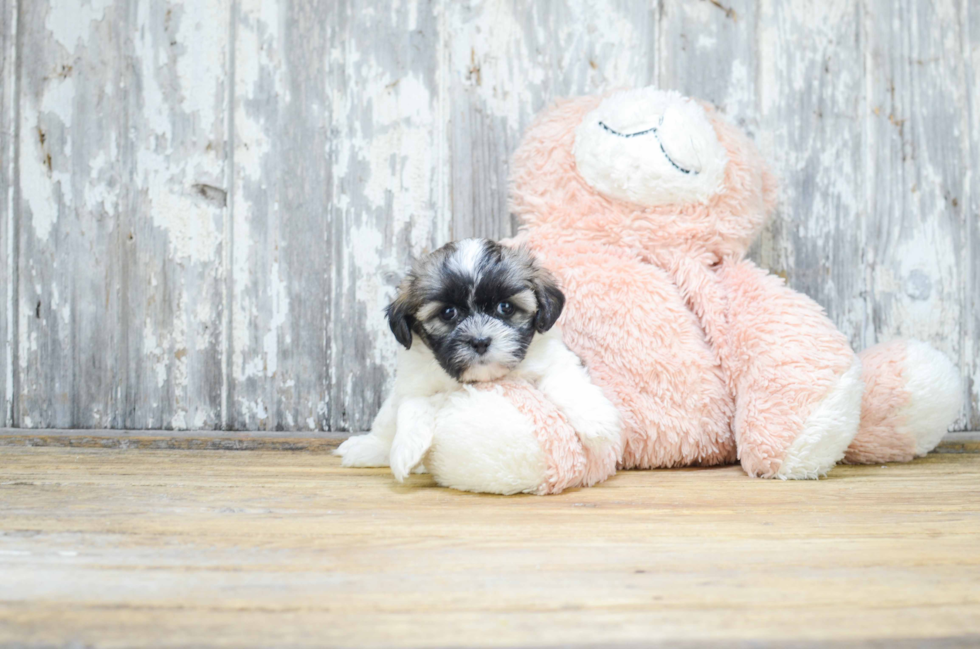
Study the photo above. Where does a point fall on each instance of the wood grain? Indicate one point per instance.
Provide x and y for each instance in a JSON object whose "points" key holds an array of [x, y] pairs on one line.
{"points": [[917, 237], [817, 241], [8, 190], [252, 440], [159, 547], [205, 206], [120, 160]]}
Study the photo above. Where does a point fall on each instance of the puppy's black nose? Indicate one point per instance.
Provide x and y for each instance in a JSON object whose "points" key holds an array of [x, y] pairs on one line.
{"points": [[481, 345]]}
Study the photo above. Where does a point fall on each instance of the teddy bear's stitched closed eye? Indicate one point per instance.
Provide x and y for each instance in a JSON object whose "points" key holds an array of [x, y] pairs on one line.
{"points": [[615, 153], [653, 130]]}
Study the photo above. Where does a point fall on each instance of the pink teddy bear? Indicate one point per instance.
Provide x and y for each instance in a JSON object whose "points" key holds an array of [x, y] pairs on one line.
{"points": [[643, 203]]}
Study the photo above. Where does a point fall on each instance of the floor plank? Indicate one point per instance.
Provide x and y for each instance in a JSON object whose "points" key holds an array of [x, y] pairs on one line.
{"points": [[123, 547]]}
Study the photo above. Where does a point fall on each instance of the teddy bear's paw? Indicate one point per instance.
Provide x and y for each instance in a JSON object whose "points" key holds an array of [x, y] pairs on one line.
{"points": [[828, 430], [935, 395], [363, 451], [483, 443], [600, 429]]}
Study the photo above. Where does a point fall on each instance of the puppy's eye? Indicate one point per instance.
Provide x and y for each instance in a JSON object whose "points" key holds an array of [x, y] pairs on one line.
{"points": [[448, 314], [505, 309]]}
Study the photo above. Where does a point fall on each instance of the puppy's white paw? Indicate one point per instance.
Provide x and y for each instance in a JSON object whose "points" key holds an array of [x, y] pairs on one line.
{"points": [[363, 451], [416, 419], [407, 452]]}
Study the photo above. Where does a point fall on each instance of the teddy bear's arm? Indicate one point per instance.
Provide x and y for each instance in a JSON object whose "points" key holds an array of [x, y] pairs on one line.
{"points": [[563, 380], [797, 383]]}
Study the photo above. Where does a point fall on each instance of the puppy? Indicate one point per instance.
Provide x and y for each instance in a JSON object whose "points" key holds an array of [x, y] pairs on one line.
{"points": [[475, 311], [476, 305]]}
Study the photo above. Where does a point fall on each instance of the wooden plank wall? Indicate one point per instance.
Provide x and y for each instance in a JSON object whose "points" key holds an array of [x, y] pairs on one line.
{"points": [[205, 205]]}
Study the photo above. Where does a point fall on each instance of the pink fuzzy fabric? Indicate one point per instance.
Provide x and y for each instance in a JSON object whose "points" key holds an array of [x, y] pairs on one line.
{"points": [[628, 322], [569, 463], [554, 201], [786, 356], [880, 438], [707, 357]]}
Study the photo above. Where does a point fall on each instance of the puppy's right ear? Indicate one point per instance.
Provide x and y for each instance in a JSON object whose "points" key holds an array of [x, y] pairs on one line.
{"points": [[400, 321]]}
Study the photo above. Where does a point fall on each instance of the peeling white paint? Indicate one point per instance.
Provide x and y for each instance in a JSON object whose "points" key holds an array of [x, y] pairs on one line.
{"points": [[491, 56], [69, 22], [369, 268], [7, 83], [280, 311], [44, 182], [200, 67], [168, 175]]}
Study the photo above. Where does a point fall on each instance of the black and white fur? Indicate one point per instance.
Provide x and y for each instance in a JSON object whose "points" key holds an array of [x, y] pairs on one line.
{"points": [[476, 304], [472, 311]]}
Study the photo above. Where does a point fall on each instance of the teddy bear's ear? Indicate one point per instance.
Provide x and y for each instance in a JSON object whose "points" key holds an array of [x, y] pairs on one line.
{"points": [[550, 302], [400, 320]]}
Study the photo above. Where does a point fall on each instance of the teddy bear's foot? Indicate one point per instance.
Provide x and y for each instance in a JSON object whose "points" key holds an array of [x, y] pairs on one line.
{"points": [[508, 438], [828, 430], [483, 443], [913, 393]]}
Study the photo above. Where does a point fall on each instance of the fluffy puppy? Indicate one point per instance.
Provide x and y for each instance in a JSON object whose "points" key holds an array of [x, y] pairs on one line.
{"points": [[476, 305], [475, 311]]}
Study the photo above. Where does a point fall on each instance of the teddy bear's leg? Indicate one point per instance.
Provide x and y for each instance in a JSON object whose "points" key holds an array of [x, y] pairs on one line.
{"points": [[504, 438], [797, 382], [578, 456], [912, 394]]}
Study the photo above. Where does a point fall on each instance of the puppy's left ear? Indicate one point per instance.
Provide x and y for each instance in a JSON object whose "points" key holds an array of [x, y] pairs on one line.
{"points": [[550, 302], [400, 320]]}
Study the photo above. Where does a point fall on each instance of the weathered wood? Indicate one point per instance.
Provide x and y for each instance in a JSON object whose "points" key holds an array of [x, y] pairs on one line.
{"points": [[121, 142], [73, 136], [709, 50], [156, 547], [918, 125], [812, 103], [214, 440], [8, 188], [170, 235], [281, 256], [214, 200], [509, 60], [969, 22], [258, 440], [339, 161]]}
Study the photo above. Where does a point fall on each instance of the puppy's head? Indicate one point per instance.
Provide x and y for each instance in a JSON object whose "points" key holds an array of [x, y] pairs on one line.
{"points": [[476, 304]]}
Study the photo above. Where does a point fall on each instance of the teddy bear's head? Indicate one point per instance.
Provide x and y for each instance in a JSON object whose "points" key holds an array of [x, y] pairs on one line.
{"points": [[642, 168]]}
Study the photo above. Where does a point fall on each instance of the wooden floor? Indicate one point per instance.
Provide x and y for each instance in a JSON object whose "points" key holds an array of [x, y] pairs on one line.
{"points": [[124, 547]]}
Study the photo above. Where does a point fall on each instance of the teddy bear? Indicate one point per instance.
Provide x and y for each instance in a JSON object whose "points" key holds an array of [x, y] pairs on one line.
{"points": [[643, 203]]}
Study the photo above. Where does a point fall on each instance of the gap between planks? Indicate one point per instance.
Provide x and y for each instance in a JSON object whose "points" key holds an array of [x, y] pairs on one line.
{"points": [[258, 440]]}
